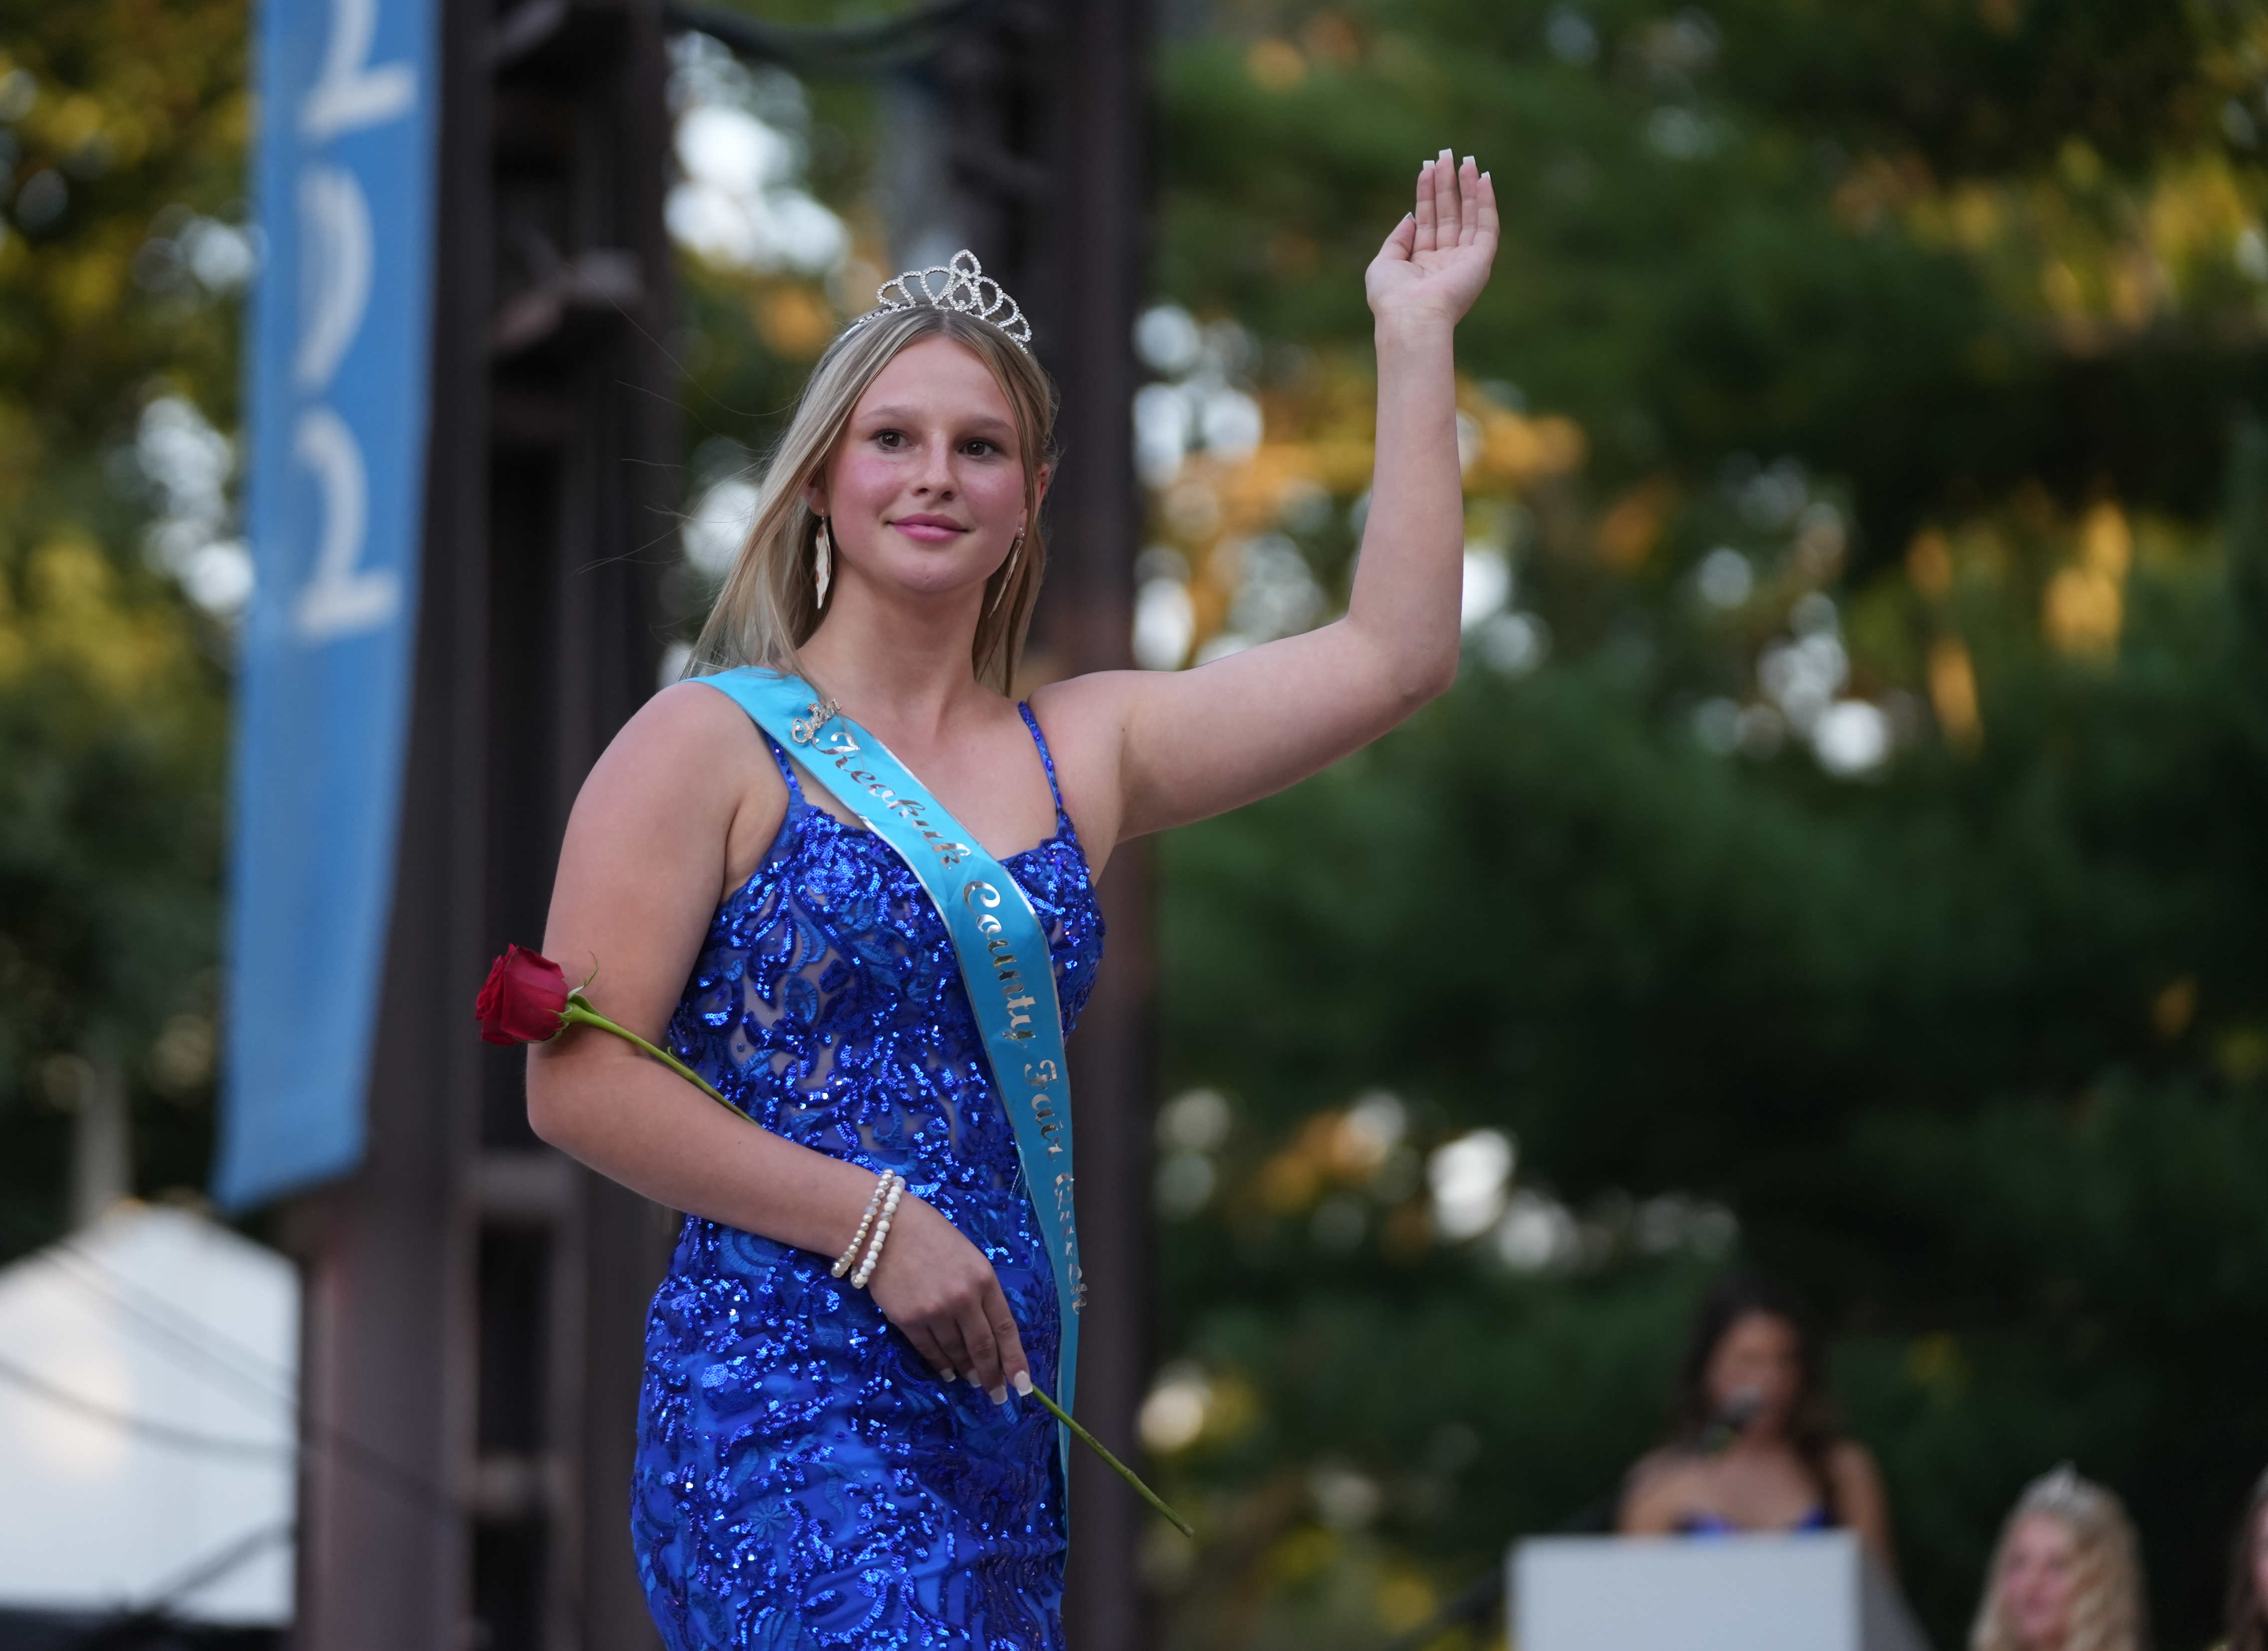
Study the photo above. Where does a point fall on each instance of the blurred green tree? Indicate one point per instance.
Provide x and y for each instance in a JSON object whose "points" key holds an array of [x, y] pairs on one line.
{"points": [[121, 142], [1868, 873], [1835, 854]]}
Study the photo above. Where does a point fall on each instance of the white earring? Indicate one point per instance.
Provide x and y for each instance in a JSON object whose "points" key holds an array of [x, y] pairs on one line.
{"points": [[1006, 568], [822, 562]]}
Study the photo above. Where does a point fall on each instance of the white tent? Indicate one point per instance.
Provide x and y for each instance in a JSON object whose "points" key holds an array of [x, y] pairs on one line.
{"points": [[149, 1377]]}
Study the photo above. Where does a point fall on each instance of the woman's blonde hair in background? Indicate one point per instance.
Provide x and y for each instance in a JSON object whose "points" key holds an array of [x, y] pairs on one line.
{"points": [[2106, 1596], [768, 605]]}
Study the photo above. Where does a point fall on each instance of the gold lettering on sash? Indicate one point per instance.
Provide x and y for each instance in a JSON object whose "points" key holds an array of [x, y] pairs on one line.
{"points": [[804, 729], [983, 898], [1070, 1241]]}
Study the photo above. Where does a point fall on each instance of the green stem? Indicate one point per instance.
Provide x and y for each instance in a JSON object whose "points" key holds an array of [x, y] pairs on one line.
{"points": [[579, 1012], [1116, 1466]]}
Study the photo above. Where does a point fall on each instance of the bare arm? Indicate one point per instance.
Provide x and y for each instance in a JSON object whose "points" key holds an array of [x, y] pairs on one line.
{"points": [[647, 850], [1195, 743], [1859, 1500], [1654, 1497]]}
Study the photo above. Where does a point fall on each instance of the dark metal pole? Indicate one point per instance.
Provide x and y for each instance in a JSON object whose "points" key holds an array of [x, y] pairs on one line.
{"points": [[383, 1558], [1089, 247], [473, 1299]]}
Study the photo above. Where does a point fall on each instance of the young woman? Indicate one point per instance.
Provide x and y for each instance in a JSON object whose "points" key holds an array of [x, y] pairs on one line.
{"points": [[1755, 1446], [2247, 1576], [2067, 1575], [820, 1464]]}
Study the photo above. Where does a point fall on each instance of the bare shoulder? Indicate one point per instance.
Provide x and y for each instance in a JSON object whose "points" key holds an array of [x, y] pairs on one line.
{"points": [[683, 719], [1090, 706], [1851, 1462], [1084, 720], [689, 764], [686, 740], [1656, 1468], [649, 845], [1857, 1480], [1655, 1491]]}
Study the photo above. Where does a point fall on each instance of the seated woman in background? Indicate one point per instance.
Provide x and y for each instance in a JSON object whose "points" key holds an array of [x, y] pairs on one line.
{"points": [[2247, 1576], [2067, 1575], [1757, 1446]]}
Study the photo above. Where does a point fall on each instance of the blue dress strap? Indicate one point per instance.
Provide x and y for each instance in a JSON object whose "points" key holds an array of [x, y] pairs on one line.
{"points": [[1048, 761], [787, 772]]}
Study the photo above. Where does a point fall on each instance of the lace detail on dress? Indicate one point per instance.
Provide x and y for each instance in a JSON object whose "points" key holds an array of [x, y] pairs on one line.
{"points": [[803, 1479]]}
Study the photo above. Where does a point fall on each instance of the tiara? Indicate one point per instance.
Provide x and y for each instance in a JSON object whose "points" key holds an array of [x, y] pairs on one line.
{"points": [[2065, 1493], [960, 285]]}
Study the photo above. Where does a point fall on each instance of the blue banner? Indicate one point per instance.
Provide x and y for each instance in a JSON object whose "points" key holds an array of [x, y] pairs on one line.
{"points": [[336, 390]]}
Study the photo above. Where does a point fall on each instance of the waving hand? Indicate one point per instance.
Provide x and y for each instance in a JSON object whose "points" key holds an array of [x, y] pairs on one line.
{"points": [[1437, 260], [1171, 746]]}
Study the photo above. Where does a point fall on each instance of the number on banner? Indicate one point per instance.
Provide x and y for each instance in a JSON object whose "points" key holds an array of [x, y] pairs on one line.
{"points": [[349, 91], [334, 268], [341, 598]]}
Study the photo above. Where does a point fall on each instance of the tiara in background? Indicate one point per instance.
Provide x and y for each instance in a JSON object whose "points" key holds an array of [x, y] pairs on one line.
{"points": [[960, 285]]}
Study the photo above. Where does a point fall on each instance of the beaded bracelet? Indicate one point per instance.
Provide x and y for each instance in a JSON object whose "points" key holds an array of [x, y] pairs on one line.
{"points": [[881, 1190], [882, 1231]]}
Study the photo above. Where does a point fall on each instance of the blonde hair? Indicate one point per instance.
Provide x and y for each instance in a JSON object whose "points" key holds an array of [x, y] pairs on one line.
{"points": [[768, 605], [2106, 1595]]}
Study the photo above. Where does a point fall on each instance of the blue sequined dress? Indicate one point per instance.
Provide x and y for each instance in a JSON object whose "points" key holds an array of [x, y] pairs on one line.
{"points": [[803, 1479]]}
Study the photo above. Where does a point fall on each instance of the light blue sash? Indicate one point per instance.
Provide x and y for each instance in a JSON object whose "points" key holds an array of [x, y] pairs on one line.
{"points": [[997, 937]]}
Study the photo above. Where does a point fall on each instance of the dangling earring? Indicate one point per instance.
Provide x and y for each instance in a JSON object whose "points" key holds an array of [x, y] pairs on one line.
{"points": [[1006, 568], [822, 561]]}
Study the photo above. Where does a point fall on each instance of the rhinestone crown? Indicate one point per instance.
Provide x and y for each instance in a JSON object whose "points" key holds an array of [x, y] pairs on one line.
{"points": [[960, 285]]}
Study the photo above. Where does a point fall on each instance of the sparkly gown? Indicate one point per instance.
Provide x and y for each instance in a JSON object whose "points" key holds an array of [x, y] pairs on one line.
{"points": [[804, 1481]]}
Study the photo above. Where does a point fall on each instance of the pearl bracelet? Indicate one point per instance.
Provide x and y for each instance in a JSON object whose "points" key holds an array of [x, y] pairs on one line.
{"points": [[881, 1190], [882, 1231]]}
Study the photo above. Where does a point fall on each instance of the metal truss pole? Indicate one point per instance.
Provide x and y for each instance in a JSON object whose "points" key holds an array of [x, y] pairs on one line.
{"points": [[474, 1300]]}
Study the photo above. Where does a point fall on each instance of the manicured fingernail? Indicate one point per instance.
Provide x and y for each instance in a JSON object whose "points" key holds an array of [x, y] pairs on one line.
{"points": [[952, 1376], [972, 1381], [1000, 1395], [1023, 1380]]}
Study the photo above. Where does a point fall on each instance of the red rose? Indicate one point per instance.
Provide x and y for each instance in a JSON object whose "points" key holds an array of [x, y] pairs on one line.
{"points": [[525, 996]]}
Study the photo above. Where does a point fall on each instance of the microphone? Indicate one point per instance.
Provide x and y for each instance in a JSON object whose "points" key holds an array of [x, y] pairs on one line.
{"points": [[1734, 1417]]}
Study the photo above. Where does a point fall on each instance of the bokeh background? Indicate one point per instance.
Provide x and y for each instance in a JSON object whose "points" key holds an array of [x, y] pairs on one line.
{"points": [[1842, 851]]}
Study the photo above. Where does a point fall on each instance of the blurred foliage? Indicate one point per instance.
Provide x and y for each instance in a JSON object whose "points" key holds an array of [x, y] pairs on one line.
{"points": [[751, 328], [1920, 337], [122, 128], [1941, 319]]}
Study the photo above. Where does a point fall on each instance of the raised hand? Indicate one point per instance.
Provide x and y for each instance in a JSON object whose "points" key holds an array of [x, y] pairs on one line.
{"points": [[1437, 260]]}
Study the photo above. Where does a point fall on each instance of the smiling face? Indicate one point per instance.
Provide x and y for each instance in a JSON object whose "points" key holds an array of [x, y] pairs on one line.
{"points": [[1756, 1364], [2036, 1574], [925, 492]]}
